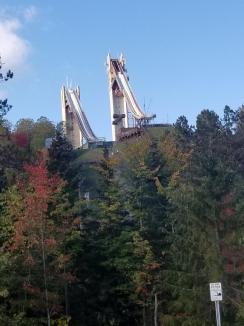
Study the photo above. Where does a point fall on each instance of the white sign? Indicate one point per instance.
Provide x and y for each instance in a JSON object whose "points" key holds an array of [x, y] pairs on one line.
{"points": [[215, 291]]}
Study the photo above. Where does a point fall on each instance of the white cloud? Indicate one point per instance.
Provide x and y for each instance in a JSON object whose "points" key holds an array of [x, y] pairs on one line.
{"points": [[3, 94], [14, 49], [30, 13]]}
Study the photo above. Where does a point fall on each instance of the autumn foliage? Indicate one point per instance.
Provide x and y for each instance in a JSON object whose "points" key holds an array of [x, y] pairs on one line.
{"points": [[37, 238], [21, 139]]}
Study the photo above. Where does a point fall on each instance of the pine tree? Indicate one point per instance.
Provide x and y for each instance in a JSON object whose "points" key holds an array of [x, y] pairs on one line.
{"points": [[198, 234]]}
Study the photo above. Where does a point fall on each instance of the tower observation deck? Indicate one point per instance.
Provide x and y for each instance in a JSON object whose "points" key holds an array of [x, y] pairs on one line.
{"points": [[124, 108]]}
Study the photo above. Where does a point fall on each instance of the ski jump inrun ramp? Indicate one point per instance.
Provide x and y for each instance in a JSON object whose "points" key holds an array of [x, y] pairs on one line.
{"points": [[125, 110], [76, 125]]}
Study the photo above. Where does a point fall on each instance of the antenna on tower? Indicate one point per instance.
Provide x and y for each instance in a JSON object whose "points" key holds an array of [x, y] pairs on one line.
{"points": [[146, 108], [122, 60]]}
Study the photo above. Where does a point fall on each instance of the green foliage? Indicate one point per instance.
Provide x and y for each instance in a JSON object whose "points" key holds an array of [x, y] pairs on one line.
{"points": [[134, 237], [36, 132], [62, 321], [11, 158], [4, 106], [60, 154], [43, 129]]}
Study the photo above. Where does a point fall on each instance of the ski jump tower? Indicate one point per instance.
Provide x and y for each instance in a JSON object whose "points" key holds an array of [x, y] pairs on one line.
{"points": [[76, 126], [125, 110]]}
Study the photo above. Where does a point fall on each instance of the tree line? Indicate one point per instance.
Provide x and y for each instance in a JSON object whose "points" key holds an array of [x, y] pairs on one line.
{"points": [[133, 237]]}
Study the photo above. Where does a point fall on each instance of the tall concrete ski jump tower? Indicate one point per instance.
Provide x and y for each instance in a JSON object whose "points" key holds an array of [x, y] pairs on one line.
{"points": [[76, 126], [125, 110]]}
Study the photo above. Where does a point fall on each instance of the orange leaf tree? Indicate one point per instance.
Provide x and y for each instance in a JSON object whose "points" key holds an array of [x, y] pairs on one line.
{"points": [[39, 239]]}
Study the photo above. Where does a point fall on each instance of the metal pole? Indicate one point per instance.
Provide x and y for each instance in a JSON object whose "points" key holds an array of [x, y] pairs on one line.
{"points": [[217, 310]]}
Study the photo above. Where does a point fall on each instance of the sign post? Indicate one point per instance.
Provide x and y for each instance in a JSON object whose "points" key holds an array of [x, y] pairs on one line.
{"points": [[216, 296]]}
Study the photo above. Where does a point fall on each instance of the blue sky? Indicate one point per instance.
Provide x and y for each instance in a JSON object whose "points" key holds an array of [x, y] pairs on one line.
{"points": [[182, 56]]}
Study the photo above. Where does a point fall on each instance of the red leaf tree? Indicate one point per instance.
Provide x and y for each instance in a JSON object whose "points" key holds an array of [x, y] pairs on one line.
{"points": [[39, 237]]}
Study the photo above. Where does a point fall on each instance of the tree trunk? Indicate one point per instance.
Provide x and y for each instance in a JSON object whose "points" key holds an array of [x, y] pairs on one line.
{"points": [[144, 316], [155, 309], [45, 278], [66, 296]]}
